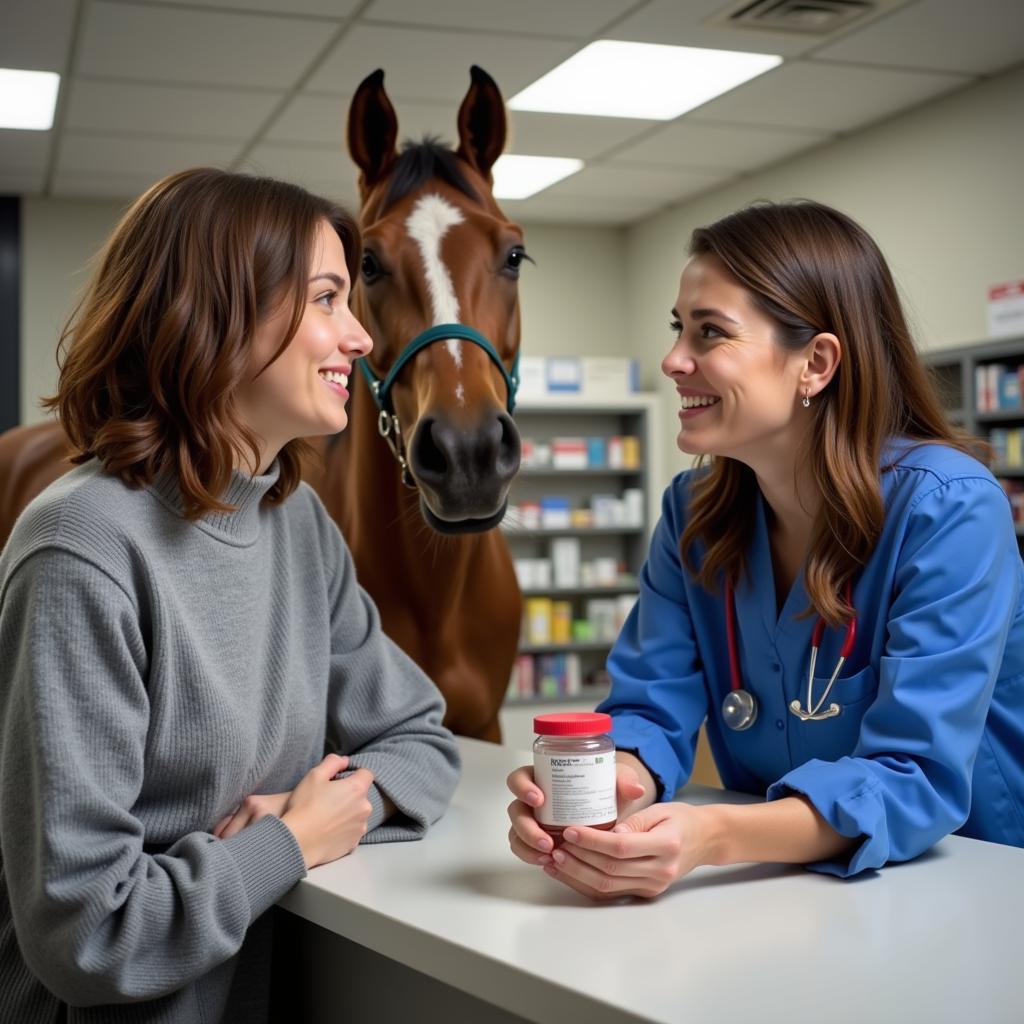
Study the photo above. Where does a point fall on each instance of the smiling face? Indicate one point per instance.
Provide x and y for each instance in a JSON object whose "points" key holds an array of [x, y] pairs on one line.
{"points": [[304, 391], [739, 390]]}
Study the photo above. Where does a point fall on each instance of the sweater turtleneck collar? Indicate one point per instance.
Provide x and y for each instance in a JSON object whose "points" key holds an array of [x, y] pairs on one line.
{"points": [[244, 491]]}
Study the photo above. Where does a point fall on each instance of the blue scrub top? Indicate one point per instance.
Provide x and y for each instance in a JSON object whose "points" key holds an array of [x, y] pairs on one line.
{"points": [[930, 739]]}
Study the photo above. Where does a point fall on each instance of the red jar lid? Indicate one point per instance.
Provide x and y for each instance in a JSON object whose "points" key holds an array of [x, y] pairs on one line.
{"points": [[573, 723]]}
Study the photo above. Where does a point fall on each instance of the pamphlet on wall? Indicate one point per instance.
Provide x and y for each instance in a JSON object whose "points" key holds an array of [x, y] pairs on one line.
{"points": [[1006, 309]]}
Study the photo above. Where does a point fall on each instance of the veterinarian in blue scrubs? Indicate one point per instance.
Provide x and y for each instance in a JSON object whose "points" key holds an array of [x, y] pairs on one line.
{"points": [[836, 590]]}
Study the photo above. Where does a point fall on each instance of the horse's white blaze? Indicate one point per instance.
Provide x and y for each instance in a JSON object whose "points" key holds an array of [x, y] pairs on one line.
{"points": [[430, 219]]}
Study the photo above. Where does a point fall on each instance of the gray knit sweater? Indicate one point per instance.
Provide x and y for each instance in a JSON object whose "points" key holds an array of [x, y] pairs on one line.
{"points": [[153, 673]]}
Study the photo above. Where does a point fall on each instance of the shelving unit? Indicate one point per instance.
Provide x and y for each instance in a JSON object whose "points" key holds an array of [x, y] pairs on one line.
{"points": [[956, 372], [541, 420]]}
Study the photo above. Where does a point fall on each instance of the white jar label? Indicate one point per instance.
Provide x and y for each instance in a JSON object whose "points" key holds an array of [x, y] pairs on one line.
{"points": [[579, 789]]}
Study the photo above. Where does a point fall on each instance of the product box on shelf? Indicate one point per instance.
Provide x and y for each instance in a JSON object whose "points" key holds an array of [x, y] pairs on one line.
{"points": [[538, 620], [569, 453], [588, 376], [545, 675], [609, 376], [554, 513], [998, 387], [565, 561]]}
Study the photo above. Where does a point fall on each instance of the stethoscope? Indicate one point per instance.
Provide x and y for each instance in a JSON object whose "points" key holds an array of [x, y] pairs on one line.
{"points": [[739, 709]]}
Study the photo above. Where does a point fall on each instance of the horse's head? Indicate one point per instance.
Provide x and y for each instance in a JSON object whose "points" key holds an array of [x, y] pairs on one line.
{"points": [[439, 253]]}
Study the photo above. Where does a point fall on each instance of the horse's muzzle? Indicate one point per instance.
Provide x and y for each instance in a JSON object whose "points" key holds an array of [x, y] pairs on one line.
{"points": [[464, 474]]}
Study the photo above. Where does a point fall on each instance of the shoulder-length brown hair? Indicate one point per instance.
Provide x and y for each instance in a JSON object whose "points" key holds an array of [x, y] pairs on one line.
{"points": [[152, 356], [813, 270]]}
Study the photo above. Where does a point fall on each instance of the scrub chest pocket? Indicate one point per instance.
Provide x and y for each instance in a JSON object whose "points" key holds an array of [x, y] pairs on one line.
{"points": [[829, 739]]}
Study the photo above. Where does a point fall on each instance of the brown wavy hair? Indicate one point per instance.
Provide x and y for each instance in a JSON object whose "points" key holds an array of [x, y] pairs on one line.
{"points": [[813, 270], [152, 356]]}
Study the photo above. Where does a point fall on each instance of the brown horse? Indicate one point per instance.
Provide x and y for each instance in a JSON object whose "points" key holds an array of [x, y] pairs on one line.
{"points": [[438, 251]]}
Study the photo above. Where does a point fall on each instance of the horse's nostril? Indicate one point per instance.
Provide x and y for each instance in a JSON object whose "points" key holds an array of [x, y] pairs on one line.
{"points": [[428, 457], [509, 448]]}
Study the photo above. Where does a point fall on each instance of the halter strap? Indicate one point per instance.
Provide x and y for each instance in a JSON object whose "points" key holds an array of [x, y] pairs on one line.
{"points": [[381, 389]]}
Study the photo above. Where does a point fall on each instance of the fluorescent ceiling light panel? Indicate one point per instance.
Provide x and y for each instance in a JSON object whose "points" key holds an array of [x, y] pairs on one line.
{"points": [[516, 177], [617, 79], [28, 99]]}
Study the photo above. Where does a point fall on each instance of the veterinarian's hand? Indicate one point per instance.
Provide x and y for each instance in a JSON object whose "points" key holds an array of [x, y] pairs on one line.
{"points": [[642, 856], [328, 816], [529, 842]]}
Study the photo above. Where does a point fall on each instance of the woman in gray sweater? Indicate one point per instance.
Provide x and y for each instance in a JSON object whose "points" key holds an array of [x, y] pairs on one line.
{"points": [[182, 636]]}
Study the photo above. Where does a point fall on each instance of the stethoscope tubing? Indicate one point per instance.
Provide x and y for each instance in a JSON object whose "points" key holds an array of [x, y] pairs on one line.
{"points": [[812, 712]]}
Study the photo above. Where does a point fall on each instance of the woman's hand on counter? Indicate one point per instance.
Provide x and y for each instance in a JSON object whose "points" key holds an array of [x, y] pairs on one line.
{"points": [[259, 805], [642, 856], [529, 842], [329, 816], [250, 810]]}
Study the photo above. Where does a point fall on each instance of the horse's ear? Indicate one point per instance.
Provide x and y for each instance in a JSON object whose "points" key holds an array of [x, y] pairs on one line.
{"points": [[482, 122], [372, 130]]}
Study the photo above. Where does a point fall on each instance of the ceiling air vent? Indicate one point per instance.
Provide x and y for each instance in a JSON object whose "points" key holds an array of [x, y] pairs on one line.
{"points": [[814, 17]]}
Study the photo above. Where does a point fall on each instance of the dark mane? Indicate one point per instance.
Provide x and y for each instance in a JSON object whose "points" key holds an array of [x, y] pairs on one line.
{"points": [[419, 162]]}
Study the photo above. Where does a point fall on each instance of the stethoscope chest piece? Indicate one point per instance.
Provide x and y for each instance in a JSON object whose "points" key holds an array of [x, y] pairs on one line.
{"points": [[739, 710]]}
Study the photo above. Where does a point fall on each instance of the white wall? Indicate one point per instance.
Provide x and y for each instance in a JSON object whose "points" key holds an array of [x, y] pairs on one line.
{"points": [[939, 188], [572, 300]]}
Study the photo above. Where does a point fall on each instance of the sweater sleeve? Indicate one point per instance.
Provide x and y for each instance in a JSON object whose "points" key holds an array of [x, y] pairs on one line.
{"points": [[907, 783], [658, 699], [385, 713], [98, 919]]}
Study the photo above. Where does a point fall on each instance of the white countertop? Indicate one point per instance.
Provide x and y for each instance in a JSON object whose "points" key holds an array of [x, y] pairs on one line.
{"points": [[938, 939]]}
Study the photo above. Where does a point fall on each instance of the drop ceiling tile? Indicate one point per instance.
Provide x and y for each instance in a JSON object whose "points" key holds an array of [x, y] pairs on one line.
{"points": [[316, 119], [826, 97], [24, 150], [418, 120], [634, 184], [693, 143], [343, 193], [36, 34], [565, 135], [108, 106], [428, 66], [85, 185], [322, 120], [322, 168], [574, 18], [139, 157], [981, 37], [680, 24], [316, 8], [193, 46]]}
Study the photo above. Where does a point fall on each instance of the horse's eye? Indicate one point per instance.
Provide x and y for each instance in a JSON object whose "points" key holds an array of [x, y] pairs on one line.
{"points": [[514, 260], [370, 267]]}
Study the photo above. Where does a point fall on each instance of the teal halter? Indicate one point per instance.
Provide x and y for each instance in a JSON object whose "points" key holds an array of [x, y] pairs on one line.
{"points": [[381, 389], [387, 422]]}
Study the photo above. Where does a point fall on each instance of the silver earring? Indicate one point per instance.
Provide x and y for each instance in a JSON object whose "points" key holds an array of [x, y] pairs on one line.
{"points": [[807, 401]]}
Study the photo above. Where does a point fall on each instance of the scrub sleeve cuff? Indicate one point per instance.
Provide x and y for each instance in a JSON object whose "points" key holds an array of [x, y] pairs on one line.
{"points": [[850, 803], [637, 736]]}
